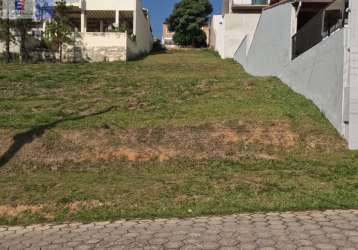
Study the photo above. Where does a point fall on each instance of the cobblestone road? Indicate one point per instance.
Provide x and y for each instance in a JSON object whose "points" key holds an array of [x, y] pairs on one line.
{"points": [[303, 230]]}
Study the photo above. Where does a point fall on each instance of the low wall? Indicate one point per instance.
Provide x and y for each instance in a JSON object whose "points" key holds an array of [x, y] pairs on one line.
{"points": [[14, 48], [97, 47]]}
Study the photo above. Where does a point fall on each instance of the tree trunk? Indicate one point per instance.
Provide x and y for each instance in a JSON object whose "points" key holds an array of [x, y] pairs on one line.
{"points": [[23, 52], [60, 44], [8, 40]]}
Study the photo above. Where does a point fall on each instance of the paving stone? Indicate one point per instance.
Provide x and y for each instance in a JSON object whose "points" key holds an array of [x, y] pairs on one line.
{"points": [[210, 245], [354, 239], [248, 246], [228, 248], [333, 229], [173, 245], [228, 242], [325, 246], [84, 247], [265, 242]]}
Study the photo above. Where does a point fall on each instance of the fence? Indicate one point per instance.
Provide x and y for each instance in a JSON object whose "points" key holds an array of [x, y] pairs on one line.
{"points": [[322, 25]]}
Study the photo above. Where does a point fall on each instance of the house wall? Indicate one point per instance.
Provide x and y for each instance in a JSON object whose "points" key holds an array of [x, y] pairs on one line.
{"points": [[97, 47], [31, 43], [217, 34], [353, 69], [167, 36], [124, 5], [14, 48], [143, 42], [236, 27], [226, 6]]}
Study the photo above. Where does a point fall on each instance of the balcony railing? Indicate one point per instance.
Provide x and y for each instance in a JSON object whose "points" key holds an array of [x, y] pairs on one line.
{"points": [[250, 2]]}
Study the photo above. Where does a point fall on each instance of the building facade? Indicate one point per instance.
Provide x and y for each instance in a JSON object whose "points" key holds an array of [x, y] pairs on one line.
{"points": [[167, 36], [105, 30], [238, 19]]}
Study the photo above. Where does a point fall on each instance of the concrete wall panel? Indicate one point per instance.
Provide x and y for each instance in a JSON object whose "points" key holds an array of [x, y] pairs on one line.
{"points": [[353, 116], [236, 27], [270, 49], [143, 42], [318, 75]]}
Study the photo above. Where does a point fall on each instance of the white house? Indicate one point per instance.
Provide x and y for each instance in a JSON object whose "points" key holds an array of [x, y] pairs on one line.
{"points": [[110, 30], [312, 46], [104, 30], [238, 19]]}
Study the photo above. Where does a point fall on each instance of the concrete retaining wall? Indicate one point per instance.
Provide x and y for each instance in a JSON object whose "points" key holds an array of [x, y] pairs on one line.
{"points": [[228, 31], [353, 70], [327, 74], [318, 75], [270, 49]]}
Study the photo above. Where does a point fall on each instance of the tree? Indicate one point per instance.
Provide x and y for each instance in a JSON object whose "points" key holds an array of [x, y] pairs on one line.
{"points": [[187, 20], [12, 28], [5, 34], [22, 27], [59, 29]]}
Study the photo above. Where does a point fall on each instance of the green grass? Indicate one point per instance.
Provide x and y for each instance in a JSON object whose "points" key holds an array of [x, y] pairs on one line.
{"points": [[176, 101], [186, 88]]}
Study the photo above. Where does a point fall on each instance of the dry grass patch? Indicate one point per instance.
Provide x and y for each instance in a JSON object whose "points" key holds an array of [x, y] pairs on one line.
{"points": [[199, 142], [8, 210]]}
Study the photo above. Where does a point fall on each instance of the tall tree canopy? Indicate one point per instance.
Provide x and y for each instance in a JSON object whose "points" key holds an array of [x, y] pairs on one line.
{"points": [[187, 20]]}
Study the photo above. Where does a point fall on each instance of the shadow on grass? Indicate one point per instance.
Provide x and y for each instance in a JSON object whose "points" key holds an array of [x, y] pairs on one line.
{"points": [[29, 136]]}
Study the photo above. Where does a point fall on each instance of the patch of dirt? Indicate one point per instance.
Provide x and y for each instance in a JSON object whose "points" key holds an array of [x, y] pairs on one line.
{"points": [[227, 135], [12, 211], [7, 210], [236, 141], [78, 205], [279, 135], [319, 143]]}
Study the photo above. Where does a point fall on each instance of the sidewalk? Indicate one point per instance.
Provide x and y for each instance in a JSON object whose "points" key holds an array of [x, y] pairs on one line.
{"points": [[334, 229]]}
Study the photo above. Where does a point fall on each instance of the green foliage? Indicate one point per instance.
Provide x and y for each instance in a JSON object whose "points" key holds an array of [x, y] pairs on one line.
{"points": [[6, 36], [59, 29], [187, 20], [22, 28], [11, 28]]}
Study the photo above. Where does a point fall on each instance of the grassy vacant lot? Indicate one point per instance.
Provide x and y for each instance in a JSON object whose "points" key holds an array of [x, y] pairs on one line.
{"points": [[176, 134]]}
